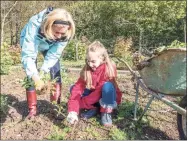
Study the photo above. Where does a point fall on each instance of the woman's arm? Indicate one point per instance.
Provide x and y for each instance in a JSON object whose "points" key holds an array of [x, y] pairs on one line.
{"points": [[29, 47], [53, 55]]}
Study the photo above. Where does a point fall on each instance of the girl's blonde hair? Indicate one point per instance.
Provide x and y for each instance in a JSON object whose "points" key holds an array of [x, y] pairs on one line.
{"points": [[98, 47], [57, 14]]}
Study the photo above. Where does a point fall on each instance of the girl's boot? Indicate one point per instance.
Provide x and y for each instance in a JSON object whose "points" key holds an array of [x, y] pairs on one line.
{"points": [[106, 116], [32, 102], [107, 103]]}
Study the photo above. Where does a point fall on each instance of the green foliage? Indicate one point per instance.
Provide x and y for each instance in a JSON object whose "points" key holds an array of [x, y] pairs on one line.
{"points": [[27, 82], [117, 134], [6, 59], [122, 49], [177, 44], [81, 50], [161, 22], [174, 44], [132, 129], [15, 52], [45, 77], [126, 110], [77, 64], [4, 104], [58, 134], [66, 79], [70, 50]]}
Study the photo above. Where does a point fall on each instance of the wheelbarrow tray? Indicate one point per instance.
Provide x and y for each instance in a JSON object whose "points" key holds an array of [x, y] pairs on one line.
{"points": [[166, 73]]}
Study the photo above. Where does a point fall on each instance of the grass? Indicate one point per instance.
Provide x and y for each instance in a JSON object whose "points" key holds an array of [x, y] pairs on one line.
{"points": [[59, 133], [81, 63], [117, 134], [76, 64]]}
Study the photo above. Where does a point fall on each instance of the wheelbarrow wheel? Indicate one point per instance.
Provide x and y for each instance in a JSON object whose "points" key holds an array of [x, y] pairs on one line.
{"points": [[182, 120]]}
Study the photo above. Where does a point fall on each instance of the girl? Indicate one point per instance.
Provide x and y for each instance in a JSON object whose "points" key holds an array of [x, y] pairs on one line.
{"points": [[47, 32], [96, 84]]}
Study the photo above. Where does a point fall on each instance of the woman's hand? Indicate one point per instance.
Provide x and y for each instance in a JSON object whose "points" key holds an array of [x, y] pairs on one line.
{"points": [[39, 84], [72, 117]]}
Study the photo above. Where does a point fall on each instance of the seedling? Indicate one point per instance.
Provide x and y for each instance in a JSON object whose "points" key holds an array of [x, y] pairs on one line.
{"points": [[48, 88], [27, 82]]}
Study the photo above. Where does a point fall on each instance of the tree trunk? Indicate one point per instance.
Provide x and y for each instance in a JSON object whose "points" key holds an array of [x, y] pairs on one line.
{"points": [[11, 32], [77, 50], [3, 22], [185, 34]]}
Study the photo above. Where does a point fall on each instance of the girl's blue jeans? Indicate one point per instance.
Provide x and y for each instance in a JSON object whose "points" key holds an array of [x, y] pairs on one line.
{"points": [[108, 98]]}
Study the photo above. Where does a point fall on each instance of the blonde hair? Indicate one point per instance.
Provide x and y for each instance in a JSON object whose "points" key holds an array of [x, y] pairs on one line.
{"points": [[98, 47], [57, 14]]}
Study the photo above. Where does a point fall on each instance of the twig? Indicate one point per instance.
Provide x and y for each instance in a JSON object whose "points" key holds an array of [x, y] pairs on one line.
{"points": [[75, 123]]}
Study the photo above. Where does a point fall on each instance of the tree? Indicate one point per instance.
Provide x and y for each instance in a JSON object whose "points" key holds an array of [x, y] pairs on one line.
{"points": [[5, 11]]}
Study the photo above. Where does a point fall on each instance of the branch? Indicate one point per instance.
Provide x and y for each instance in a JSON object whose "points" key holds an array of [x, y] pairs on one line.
{"points": [[3, 21], [10, 10]]}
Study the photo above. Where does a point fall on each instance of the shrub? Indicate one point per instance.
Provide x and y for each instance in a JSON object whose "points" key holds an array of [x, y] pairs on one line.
{"points": [[177, 44], [6, 59], [4, 104], [122, 49], [15, 52], [70, 51]]}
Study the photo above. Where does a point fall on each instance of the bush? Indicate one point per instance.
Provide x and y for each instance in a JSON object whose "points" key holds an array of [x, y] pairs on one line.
{"points": [[6, 59], [4, 104], [70, 51], [177, 44], [122, 49], [15, 52]]}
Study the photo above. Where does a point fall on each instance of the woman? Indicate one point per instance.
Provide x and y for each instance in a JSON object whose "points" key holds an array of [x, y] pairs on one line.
{"points": [[47, 32]]}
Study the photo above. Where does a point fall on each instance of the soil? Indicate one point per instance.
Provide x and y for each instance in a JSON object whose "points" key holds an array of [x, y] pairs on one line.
{"points": [[14, 125]]}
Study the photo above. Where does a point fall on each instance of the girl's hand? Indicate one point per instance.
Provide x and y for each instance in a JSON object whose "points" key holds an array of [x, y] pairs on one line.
{"points": [[72, 117]]}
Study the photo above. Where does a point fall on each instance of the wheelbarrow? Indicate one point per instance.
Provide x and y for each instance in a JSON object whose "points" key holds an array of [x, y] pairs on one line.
{"points": [[164, 74]]}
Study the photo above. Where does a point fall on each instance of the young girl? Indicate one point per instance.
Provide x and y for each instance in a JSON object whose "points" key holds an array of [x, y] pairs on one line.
{"points": [[47, 32], [96, 84]]}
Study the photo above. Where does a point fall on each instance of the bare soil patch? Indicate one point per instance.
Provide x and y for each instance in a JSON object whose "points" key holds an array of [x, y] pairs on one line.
{"points": [[162, 119]]}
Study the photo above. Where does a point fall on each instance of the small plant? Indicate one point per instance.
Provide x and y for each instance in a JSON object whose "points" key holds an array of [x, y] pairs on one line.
{"points": [[27, 83], [59, 134], [4, 104], [6, 59], [48, 88], [59, 109], [117, 134]]}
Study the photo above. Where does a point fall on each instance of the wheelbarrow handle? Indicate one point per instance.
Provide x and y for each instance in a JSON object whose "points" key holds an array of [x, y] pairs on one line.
{"points": [[130, 69]]}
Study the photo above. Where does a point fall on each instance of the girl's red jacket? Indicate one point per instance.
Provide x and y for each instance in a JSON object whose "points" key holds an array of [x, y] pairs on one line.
{"points": [[76, 103]]}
